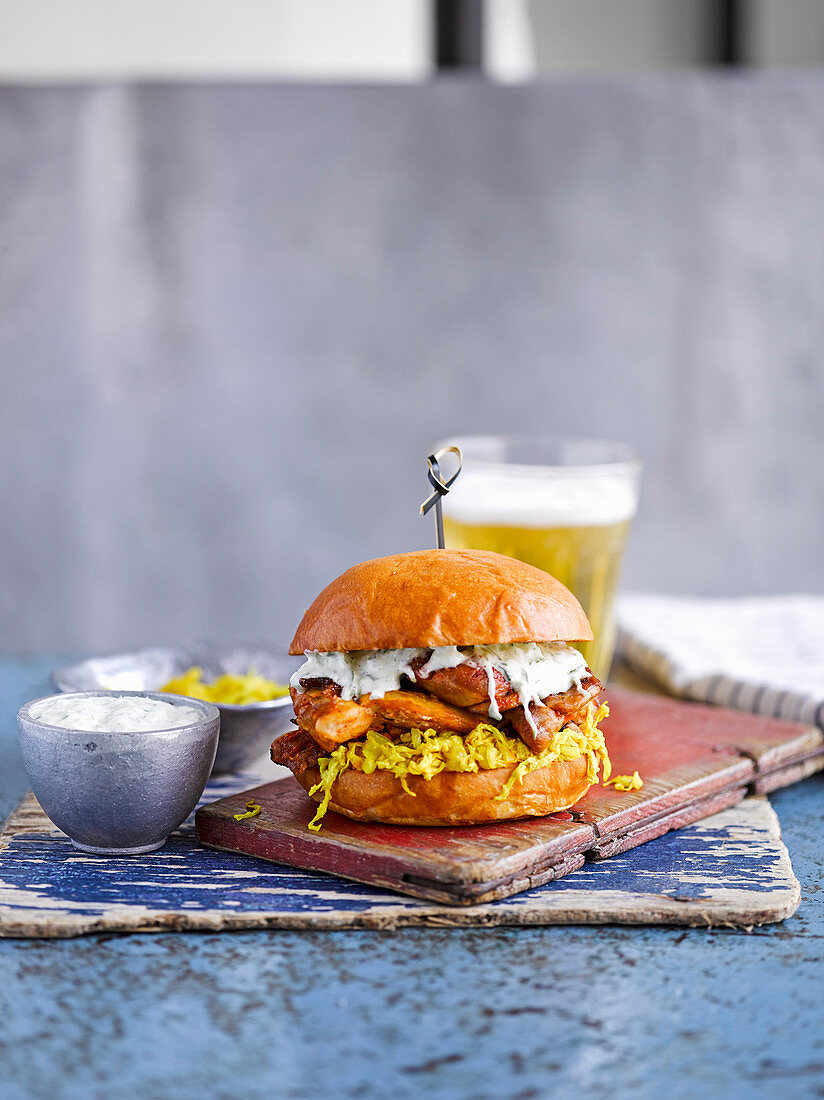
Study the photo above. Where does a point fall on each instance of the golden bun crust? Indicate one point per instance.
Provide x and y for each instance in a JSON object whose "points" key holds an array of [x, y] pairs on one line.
{"points": [[431, 598], [454, 798]]}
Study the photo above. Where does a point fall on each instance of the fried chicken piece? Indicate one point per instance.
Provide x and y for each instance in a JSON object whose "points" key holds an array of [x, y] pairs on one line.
{"points": [[557, 711], [467, 686], [418, 710], [328, 719], [547, 722], [509, 701], [571, 702], [331, 721], [296, 750], [567, 703], [319, 683]]}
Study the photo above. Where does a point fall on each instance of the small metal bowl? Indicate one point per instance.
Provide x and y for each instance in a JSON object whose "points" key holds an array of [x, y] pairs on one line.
{"points": [[119, 793], [246, 732]]}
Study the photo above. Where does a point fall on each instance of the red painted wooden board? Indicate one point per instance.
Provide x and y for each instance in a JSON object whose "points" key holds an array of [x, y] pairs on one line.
{"points": [[694, 760]]}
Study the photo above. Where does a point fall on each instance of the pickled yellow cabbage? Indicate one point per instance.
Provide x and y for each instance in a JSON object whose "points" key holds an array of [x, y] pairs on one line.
{"points": [[235, 689], [632, 782], [427, 752]]}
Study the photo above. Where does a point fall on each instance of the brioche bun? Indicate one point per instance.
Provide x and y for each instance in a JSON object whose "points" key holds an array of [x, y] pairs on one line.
{"points": [[430, 598], [454, 798]]}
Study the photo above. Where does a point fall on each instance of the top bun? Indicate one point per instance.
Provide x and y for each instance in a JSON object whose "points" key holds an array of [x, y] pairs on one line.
{"points": [[431, 598]]}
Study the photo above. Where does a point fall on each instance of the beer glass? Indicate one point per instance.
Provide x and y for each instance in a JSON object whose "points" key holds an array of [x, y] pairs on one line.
{"points": [[564, 505]]}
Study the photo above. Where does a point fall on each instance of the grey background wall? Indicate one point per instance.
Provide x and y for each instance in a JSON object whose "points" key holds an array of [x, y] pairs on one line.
{"points": [[233, 319]]}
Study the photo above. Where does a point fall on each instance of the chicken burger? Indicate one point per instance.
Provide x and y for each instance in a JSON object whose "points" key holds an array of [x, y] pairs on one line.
{"points": [[440, 687]]}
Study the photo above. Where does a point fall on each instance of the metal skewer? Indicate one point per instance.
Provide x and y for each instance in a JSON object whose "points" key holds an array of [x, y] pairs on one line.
{"points": [[440, 486]]}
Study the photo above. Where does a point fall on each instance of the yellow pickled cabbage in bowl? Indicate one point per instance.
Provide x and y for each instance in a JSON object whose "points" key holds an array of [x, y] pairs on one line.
{"points": [[231, 689]]}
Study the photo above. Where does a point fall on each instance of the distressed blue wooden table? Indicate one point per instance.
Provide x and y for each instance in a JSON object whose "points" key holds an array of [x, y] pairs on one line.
{"points": [[474, 1013]]}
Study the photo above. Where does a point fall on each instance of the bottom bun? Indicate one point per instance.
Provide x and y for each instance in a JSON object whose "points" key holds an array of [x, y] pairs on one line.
{"points": [[453, 798]]}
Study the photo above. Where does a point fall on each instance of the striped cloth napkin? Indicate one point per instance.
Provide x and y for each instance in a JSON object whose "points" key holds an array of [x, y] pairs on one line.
{"points": [[760, 654]]}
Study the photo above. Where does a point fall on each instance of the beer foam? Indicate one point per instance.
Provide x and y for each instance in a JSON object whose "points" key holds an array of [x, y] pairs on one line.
{"points": [[523, 497]]}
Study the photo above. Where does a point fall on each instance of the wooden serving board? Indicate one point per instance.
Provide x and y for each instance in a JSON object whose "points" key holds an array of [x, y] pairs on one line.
{"points": [[695, 761], [730, 869]]}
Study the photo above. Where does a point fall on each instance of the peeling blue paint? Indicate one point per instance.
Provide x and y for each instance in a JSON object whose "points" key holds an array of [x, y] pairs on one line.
{"points": [[702, 862]]}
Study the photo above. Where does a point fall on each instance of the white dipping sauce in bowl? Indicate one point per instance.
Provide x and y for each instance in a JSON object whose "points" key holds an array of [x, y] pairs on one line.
{"points": [[113, 714]]}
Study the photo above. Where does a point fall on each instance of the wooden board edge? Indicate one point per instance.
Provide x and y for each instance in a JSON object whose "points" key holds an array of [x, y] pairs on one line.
{"points": [[786, 776], [737, 775], [680, 816], [26, 814], [451, 894], [738, 912]]}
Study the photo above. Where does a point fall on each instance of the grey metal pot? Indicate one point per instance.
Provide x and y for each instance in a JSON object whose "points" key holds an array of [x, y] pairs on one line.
{"points": [[119, 793]]}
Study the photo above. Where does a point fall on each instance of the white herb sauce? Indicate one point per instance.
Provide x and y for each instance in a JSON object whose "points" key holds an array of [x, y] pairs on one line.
{"points": [[113, 714], [534, 670]]}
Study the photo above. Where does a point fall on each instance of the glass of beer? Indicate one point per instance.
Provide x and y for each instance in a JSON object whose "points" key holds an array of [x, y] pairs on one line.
{"points": [[564, 505]]}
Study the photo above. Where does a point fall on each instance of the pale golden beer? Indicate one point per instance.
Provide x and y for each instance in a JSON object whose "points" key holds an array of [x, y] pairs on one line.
{"points": [[567, 511]]}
